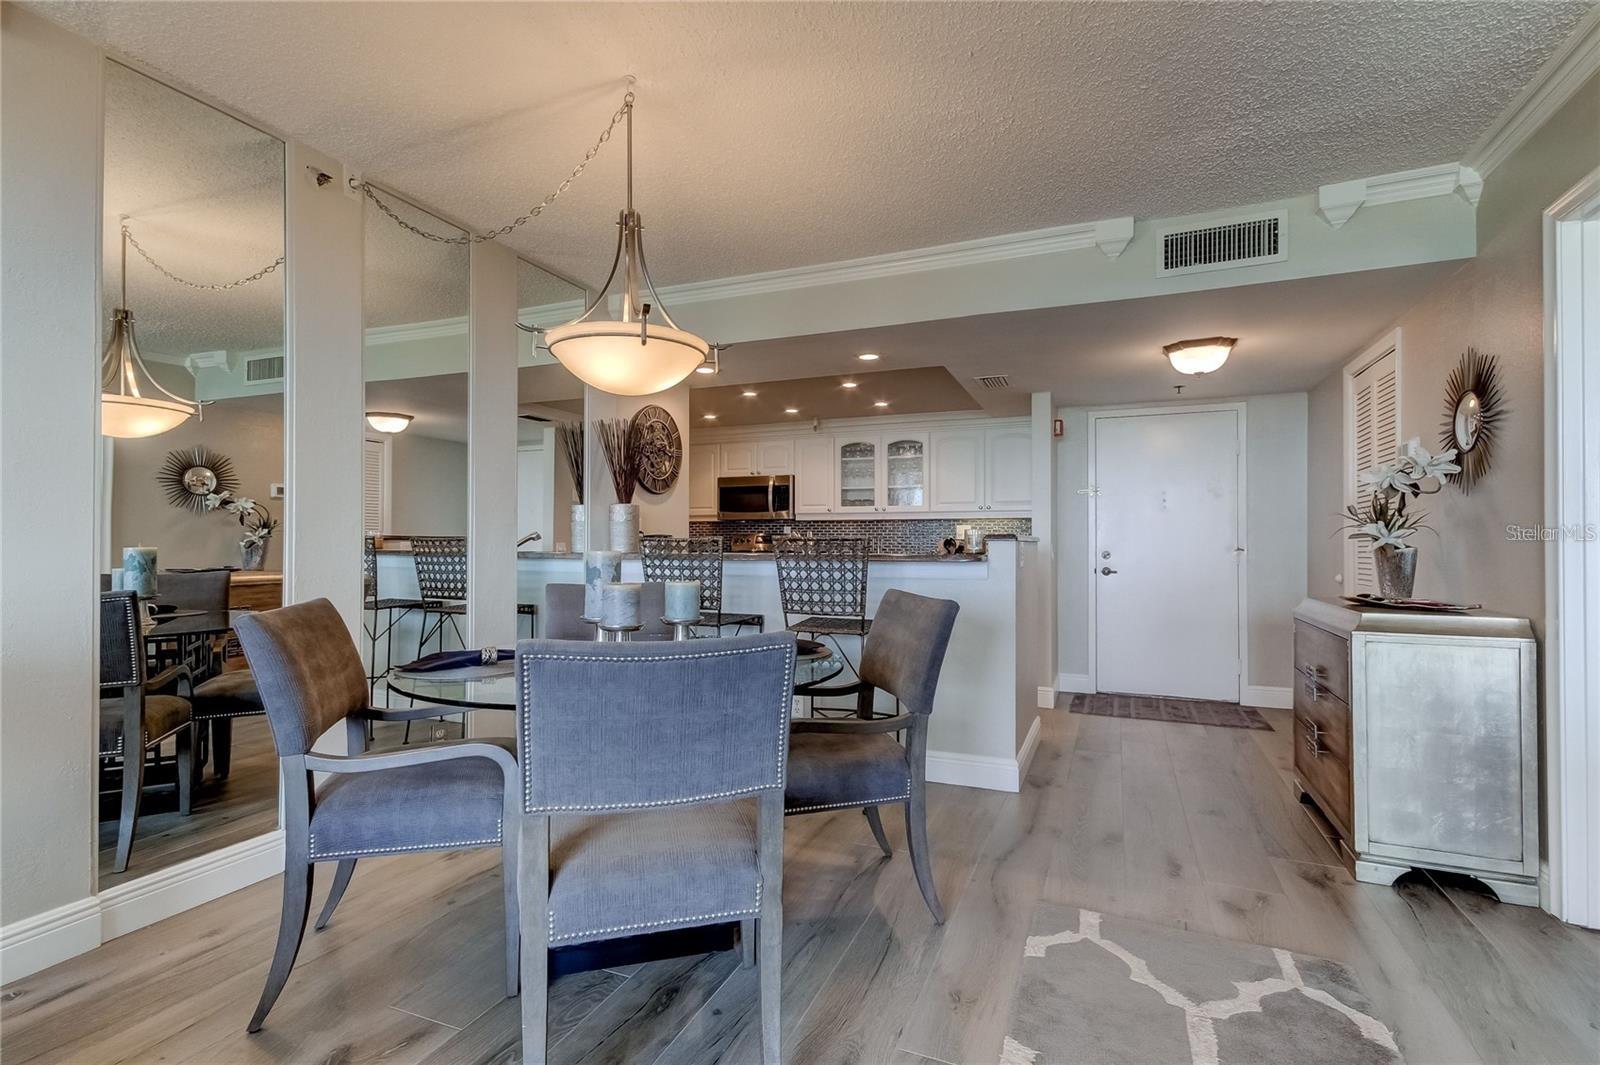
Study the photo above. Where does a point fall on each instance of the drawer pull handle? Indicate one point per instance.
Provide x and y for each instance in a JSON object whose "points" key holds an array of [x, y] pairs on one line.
{"points": [[1313, 737], [1313, 689]]}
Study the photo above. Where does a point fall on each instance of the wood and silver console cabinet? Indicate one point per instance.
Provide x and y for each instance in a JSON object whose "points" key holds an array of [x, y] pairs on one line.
{"points": [[1416, 736]]}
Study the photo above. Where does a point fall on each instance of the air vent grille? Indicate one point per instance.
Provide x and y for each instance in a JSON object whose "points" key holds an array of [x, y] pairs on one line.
{"points": [[993, 382], [1243, 242], [265, 368]]}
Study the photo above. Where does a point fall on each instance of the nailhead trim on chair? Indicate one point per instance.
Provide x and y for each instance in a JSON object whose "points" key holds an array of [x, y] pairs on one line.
{"points": [[859, 802], [231, 713], [653, 924], [784, 709], [499, 833]]}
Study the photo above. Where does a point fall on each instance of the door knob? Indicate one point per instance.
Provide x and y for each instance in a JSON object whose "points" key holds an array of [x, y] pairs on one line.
{"points": [[1106, 571]]}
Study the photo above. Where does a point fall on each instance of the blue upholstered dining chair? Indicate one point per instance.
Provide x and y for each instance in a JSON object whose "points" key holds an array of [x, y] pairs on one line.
{"points": [[836, 764], [445, 796], [639, 761]]}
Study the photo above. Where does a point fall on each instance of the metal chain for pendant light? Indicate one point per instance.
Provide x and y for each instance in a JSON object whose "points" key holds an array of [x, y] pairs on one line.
{"points": [[532, 212], [169, 275]]}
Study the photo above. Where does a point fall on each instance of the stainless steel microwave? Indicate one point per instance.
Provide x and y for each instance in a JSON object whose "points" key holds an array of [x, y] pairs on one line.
{"points": [[758, 498]]}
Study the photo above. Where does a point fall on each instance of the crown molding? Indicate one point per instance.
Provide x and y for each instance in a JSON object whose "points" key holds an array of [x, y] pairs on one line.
{"points": [[1574, 63], [1110, 235], [1337, 203]]}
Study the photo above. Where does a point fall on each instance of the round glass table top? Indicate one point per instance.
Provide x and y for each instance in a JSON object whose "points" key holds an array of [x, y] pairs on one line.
{"points": [[495, 687]]}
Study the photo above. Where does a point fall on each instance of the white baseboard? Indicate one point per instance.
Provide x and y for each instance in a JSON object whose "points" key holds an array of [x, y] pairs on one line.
{"points": [[1074, 682], [973, 771], [1046, 699], [40, 941], [1265, 695], [131, 906], [1030, 743]]}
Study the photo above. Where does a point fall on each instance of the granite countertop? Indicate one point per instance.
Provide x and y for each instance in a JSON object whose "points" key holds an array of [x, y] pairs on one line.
{"points": [[759, 555]]}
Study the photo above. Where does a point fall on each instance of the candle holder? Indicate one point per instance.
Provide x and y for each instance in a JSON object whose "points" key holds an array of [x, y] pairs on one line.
{"points": [[599, 636], [681, 629], [614, 633]]}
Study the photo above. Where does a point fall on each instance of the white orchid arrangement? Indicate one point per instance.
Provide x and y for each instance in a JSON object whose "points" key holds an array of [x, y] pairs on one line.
{"points": [[1385, 519], [258, 522]]}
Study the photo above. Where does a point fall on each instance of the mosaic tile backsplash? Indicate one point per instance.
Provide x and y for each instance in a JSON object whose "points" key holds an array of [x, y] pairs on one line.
{"points": [[890, 536]]}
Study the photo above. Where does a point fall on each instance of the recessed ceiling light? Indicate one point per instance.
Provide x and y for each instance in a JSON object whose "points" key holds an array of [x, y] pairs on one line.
{"points": [[705, 367], [709, 417], [848, 384], [868, 356], [881, 403], [791, 410], [749, 393]]}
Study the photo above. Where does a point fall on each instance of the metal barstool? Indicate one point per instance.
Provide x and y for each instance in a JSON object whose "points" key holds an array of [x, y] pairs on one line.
{"points": [[441, 563], [825, 582], [392, 609], [699, 558]]}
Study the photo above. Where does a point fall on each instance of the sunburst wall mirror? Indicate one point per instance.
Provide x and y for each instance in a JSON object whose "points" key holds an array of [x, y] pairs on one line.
{"points": [[1473, 408], [192, 473]]}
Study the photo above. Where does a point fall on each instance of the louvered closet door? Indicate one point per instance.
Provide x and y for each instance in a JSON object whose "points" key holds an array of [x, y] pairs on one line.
{"points": [[1375, 424], [374, 501]]}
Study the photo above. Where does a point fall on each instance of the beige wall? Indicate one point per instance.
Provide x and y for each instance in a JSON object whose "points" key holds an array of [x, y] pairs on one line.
{"points": [[427, 486], [1494, 302], [249, 432], [1325, 486]]}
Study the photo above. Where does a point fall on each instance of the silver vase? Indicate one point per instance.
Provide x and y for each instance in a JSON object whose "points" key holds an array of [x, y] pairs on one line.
{"points": [[254, 556], [580, 529], [625, 528], [1397, 570]]}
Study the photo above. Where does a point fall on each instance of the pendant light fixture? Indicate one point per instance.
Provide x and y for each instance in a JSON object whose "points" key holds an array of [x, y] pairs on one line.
{"points": [[132, 401], [642, 350], [1199, 356]]}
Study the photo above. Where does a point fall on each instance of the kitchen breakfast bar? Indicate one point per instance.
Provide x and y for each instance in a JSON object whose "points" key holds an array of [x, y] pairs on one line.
{"points": [[984, 721]]}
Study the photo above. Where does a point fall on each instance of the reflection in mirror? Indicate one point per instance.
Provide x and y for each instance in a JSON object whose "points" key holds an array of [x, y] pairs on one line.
{"points": [[415, 462], [549, 441], [191, 499]]}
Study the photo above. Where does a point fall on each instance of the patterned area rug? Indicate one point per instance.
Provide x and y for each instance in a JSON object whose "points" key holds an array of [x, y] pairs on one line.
{"points": [[1156, 708], [1110, 990]]}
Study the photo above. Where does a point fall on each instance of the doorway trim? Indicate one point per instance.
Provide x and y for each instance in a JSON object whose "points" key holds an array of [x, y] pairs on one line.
{"points": [[1241, 513], [1571, 889]]}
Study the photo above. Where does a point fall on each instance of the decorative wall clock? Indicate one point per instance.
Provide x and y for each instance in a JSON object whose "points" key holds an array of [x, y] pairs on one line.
{"points": [[1473, 408], [659, 447], [191, 474]]}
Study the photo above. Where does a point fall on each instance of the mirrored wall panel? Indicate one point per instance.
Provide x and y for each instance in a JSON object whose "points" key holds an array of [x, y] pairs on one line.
{"points": [[191, 473], [416, 466], [550, 418]]}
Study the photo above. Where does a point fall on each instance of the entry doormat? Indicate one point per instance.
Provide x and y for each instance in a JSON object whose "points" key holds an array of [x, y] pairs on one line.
{"points": [[1179, 711], [1115, 991]]}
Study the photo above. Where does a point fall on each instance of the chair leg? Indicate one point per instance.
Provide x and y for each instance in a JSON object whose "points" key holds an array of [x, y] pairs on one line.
{"points": [[769, 960], [747, 942], [341, 880], [185, 761], [291, 926], [876, 822], [132, 789], [221, 746], [513, 913], [533, 873], [917, 844]]}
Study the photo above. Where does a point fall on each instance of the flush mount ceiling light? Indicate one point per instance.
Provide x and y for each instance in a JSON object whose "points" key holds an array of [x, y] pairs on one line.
{"points": [[868, 356], [1199, 356], [642, 351], [132, 401], [386, 421]]}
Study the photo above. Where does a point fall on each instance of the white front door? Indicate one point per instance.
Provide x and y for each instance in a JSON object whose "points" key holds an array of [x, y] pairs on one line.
{"points": [[1166, 568]]}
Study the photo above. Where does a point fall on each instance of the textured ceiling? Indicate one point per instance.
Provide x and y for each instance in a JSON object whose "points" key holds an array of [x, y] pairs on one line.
{"points": [[779, 135]]}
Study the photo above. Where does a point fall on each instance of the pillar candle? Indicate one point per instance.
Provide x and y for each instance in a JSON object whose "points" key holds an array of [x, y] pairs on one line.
{"points": [[139, 570], [619, 606], [683, 600], [600, 568]]}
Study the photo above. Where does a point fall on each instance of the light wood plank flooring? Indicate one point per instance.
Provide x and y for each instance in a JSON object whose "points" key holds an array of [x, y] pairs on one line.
{"points": [[1189, 825]]}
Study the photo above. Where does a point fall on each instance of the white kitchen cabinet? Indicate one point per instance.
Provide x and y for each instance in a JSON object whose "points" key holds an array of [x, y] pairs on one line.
{"points": [[702, 474], [858, 469], [738, 459], [774, 456], [1008, 484], [813, 475], [957, 469], [905, 472], [881, 473]]}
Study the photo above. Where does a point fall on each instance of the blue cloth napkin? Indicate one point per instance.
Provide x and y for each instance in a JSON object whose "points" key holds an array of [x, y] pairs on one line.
{"points": [[441, 660]]}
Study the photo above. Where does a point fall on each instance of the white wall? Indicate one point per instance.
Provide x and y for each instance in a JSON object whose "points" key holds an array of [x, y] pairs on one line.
{"points": [[49, 435], [1275, 537], [427, 486]]}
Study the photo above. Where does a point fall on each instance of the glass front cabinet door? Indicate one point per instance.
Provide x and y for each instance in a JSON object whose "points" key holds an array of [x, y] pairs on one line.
{"points": [[906, 472], [860, 476]]}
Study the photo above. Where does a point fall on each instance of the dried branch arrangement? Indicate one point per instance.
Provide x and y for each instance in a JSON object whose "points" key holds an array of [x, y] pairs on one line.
{"points": [[622, 456], [571, 436]]}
